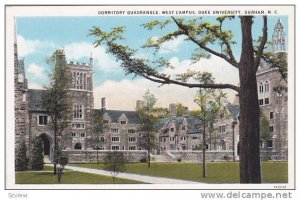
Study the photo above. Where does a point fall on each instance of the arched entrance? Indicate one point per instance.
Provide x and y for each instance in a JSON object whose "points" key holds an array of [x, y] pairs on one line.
{"points": [[77, 146], [46, 143]]}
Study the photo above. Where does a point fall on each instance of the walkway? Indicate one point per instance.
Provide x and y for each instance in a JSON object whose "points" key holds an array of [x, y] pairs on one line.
{"points": [[136, 177]]}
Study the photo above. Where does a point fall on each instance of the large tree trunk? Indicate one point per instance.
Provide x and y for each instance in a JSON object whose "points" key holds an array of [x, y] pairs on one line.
{"points": [[249, 109]]}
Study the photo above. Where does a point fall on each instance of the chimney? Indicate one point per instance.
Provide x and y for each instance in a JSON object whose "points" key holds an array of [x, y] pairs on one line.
{"points": [[236, 100], [139, 105], [186, 111], [173, 109], [103, 106]]}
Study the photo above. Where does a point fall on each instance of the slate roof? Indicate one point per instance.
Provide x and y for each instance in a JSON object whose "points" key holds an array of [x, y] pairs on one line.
{"points": [[191, 123], [35, 100], [132, 116], [234, 110]]}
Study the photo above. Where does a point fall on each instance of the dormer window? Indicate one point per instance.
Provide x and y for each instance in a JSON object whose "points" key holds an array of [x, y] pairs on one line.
{"points": [[123, 122], [105, 121]]}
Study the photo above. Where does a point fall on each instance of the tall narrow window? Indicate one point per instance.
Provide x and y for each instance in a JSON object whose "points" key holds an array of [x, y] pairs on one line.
{"points": [[84, 81], [78, 112], [261, 87], [267, 86]]}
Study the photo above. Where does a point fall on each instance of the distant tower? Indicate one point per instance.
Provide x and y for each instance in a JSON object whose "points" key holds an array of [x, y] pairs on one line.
{"points": [[279, 38], [173, 109]]}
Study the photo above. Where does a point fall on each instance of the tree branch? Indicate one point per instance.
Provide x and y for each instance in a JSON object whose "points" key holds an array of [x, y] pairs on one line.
{"points": [[262, 43], [231, 60], [165, 80]]}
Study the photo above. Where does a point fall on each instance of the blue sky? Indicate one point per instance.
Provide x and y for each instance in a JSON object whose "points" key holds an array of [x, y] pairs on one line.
{"points": [[38, 37]]}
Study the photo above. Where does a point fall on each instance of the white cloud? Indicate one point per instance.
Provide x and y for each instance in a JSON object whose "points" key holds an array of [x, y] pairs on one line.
{"points": [[32, 85], [123, 94], [79, 50], [171, 46], [26, 47], [36, 70]]}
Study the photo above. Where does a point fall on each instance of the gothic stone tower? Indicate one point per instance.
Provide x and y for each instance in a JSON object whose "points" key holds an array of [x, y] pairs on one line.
{"points": [[21, 103], [80, 85], [274, 104]]}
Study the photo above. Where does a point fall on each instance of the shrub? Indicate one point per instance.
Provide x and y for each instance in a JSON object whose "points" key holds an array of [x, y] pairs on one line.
{"points": [[143, 160], [37, 154], [179, 159], [63, 159], [114, 162], [21, 160]]}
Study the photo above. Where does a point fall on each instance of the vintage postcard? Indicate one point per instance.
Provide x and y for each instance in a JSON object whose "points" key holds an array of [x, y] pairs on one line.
{"points": [[150, 97]]}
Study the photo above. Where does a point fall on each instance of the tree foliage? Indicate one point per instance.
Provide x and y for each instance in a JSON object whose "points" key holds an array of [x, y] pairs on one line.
{"points": [[205, 36], [149, 116], [56, 99], [21, 160], [114, 162], [264, 126], [37, 155]]}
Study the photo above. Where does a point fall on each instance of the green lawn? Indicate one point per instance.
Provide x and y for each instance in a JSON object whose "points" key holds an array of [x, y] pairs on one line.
{"points": [[218, 172], [69, 177]]}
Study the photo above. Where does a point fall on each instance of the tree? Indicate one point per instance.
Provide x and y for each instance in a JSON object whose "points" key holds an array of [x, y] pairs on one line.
{"points": [[114, 162], [209, 102], [181, 110], [202, 34], [149, 118], [21, 160], [37, 156], [56, 99], [96, 129]]}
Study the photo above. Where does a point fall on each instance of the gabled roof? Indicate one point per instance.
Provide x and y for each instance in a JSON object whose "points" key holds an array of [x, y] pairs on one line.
{"points": [[234, 110], [132, 116], [191, 123], [35, 102]]}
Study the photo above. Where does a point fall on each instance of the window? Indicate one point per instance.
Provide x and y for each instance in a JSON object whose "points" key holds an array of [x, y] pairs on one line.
{"points": [[261, 87], [267, 86], [101, 148], [78, 125], [183, 138], [82, 135], [79, 80], [261, 144], [24, 98], [115, 139], [164, 139], [114, 130], [123, 122], [222, 115], [270, 143], [222, 129], [261, 102], [194, 138], [271, 115], [115, 148], [105, 121], [172, 129], [132, 139], [101, 139], [222, 145], [73, 134], [43, 120], [78, 112], [132, 148], [131, 131], [183, 127], [271, 129], [267, 100]]}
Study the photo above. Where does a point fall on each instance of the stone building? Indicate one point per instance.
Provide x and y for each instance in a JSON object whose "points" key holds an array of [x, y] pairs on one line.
{"points": [[122, 128]]}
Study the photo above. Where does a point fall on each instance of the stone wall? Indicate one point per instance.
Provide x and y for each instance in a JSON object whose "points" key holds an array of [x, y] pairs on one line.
{"points": [[90, 156], [194, 156]]}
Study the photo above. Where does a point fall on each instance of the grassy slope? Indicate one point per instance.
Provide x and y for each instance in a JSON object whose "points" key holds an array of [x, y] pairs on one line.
{"points": [[224, 172]]}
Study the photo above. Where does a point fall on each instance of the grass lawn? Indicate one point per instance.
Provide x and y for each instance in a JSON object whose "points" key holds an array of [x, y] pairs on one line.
{"points": [[218, 172], [69, 177]]}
